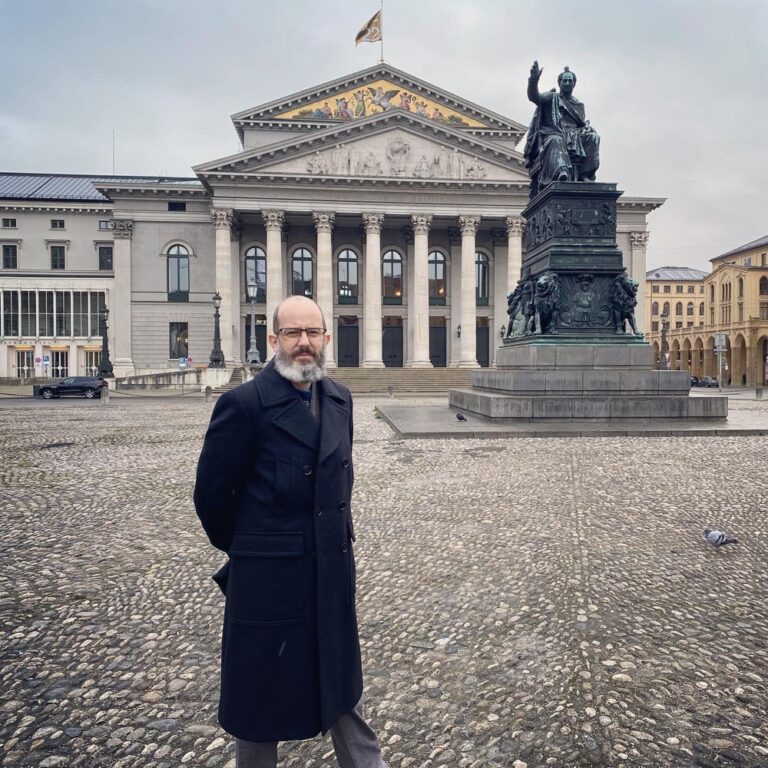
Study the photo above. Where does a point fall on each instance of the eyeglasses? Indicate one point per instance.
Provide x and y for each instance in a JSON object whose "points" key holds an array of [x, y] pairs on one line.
{"points": [[295, 333]]}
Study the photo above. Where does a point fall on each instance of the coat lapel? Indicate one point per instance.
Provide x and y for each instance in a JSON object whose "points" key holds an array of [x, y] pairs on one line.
{"points": [[289, 413], [334, 418]]}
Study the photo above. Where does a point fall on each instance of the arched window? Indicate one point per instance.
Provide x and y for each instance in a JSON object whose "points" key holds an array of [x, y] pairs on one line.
{"points": [[347, 277], [256, 272], [741, 288], [392, 277], [689, 309], [178, 273], [764, 286], [436, 272], [701, 309], [482, 279], [712, 293], [301, 273], [679, 308], [665, 309], [655, 308]]}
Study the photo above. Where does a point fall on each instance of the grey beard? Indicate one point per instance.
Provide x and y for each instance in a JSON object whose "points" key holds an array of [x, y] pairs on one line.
{"points": [[299, 373]]}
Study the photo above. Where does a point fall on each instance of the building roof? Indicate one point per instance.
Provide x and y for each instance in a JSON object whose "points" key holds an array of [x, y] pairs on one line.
{"points": [[761, 242], [73, 187], [675, 273]]}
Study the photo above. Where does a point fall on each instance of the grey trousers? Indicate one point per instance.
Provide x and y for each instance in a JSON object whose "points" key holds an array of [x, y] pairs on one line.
{"points": [[354, 742]]}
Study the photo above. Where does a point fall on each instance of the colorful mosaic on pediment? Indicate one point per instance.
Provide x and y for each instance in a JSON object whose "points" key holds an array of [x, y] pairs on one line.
{"points": [[375, 98]]}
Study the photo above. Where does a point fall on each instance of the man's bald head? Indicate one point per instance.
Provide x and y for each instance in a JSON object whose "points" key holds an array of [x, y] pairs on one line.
{"points": [[297, 306]]}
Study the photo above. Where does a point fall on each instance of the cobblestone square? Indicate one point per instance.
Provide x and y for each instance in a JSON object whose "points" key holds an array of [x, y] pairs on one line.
{"points": [[527, 602]]}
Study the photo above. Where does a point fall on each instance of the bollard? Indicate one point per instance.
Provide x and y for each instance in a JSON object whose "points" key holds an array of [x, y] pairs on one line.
{"points": [[104, 396], [391, 390], [208, 394], [758, 392]]}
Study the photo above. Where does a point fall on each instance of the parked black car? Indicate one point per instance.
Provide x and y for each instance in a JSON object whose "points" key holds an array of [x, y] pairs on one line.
{"points": [[695, 381], [79, 386], [708, 381]]}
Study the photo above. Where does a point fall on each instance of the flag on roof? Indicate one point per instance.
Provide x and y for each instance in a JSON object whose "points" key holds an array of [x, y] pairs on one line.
{"points": [[371, 31]]}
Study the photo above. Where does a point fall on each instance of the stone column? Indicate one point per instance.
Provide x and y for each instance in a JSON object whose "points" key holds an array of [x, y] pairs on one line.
{"points": [[418, 303], [454, 240], [515, 229], [222, 221], [273, 223], [238, 290], [638, 242], [324, 226], [372, 292], [468, 341], [120, 315], [499, 289]]}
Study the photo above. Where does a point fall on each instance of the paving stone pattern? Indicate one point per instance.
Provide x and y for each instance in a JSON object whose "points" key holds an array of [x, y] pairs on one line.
{"points": [[532, 602]]}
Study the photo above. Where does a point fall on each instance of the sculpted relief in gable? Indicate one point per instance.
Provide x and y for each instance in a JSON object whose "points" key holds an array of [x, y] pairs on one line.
{"points": [[396, 155]]}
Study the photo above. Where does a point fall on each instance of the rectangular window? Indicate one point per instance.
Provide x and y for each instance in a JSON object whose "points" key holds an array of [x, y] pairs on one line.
{"points": [[97, 302], [80, 313], [105, 224], [701, 289], [741, 312], [63, 313], [10, 257], [679, 324], [57, 223], [678, 289], [747, 261], [105, 257], [45, 309], [763, 310], [655, 325], [711, 315], [10, 313], [763, 257], [667, 289], [654, 289], [177, 338], [9, 223], [689, 325], [177, 206], [28, 313], [57, 256], [691, 288]]}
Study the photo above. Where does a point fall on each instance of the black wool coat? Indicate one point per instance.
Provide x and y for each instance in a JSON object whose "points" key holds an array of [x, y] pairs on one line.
{"points": [[273, 491]]}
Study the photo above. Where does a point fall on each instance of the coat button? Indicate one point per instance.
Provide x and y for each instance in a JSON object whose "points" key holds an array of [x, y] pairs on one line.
{"points": [[307, 470], [342, 506], [345, 463], [345, 547], [319, 511]]}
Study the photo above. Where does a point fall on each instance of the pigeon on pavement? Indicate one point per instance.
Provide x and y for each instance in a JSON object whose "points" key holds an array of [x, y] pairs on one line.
{"points": [[460, 417], [718, 538]]}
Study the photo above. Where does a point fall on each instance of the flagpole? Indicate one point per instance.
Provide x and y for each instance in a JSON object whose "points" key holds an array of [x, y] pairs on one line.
{"points": [[381, 17]]}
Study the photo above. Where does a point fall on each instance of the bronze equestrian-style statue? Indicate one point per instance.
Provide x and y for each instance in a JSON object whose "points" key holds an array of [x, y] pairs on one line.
{"points": [[561, 145]]}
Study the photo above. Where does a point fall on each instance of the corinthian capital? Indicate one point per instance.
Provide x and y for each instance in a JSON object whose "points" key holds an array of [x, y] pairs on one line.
{"points": [[469, 225], [222, 218], [273, 220], [122, 229], [515, 225], [373, 222], [323, 220], [421, 223], [639, 239]]}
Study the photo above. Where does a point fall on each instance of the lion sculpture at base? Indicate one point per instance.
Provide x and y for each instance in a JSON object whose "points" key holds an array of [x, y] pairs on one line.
{"points": [[623, 298], [547, 304]]}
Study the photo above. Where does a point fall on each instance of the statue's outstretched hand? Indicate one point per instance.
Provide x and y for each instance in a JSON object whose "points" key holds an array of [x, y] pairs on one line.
{"points": [[536, 71]]}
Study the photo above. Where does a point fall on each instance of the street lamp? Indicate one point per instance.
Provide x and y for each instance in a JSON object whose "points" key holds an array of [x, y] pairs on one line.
{"points": [[217, 356], [105, 364], [252, 355], [458, 330], [664, 347], [502, 331]]}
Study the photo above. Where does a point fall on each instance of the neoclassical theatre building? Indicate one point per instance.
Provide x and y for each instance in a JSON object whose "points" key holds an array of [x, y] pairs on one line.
{"points": [[392, 202]]}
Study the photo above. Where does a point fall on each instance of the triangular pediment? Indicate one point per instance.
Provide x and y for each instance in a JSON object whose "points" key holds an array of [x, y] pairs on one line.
{"points": [[388, 145], [373, 91]]}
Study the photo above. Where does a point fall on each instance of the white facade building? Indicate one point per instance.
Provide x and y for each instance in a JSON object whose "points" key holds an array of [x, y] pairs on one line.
{"points": [[394, 204]]}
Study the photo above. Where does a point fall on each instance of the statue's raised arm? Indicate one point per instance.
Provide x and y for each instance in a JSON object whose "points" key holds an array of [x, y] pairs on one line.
{"points": [[561, 144]]}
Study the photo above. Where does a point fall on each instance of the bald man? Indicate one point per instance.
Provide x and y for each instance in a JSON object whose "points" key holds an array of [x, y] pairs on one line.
{"points": [[273, 491]]}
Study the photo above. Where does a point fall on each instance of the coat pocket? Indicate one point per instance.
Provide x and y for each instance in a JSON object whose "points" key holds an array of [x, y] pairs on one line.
{"points": [[266, 581]]}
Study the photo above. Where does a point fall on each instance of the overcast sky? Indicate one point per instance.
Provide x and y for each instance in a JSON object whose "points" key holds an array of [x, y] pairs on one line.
{"points": [[677, 89]]}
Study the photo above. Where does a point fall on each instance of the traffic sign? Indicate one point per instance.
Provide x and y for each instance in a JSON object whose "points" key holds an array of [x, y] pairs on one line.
{"points": [[46, 359], [38, 360]]}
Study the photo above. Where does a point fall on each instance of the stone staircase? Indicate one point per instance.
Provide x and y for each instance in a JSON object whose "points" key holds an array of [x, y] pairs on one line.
{"points": [[378, 381]]}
